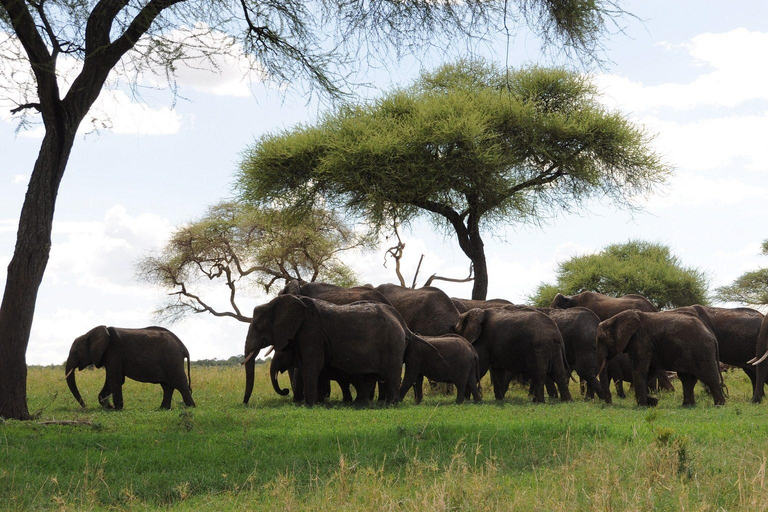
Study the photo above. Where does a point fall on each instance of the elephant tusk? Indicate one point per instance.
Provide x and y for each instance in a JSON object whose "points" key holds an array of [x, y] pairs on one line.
{"points": [[68, 374], [250, 355], [761, 359], [602, 367], [271, 349], [751, 360]]}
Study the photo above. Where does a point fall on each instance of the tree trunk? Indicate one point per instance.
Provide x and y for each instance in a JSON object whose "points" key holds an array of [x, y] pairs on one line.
{"points": [[480, 267], [30, 257]]}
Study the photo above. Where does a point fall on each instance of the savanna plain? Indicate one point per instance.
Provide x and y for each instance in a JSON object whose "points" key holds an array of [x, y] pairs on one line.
{"points": [[438, 456]]}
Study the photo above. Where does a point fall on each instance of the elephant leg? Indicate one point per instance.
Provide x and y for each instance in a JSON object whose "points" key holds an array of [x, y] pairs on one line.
{"points": [[408, 382], [104, 396], [391, 385], [605, 386], [116, 385], [551, 389], [297, 383], [537, 383], [689, 383], [310, 376], [461, 390], [640, 381], [499, 383], [384, 394], [711, 379], [472, 386], [593, 383], [664, 383], [167, 395], [365, 391], [186, 395], [752, 378], [418, 389], [346, 393], [619, 383], [760, 375]]}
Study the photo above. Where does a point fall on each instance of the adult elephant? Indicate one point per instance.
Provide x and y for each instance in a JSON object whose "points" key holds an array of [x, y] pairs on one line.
{"points": [[427, 311], [760, 361], [464, 305], [363, 339], [334, 294], [737, 332], [516, 340], [669, 340], [603, 306], [151, 354]]}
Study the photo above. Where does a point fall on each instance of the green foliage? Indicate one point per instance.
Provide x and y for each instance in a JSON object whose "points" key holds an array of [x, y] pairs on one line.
{"points": [[469, 138], [750, 288], [436, 456], [242, 246], [641, 267]]}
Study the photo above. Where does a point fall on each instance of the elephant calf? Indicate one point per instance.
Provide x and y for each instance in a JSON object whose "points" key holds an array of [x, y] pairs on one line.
{"points": [[455, 361], [668, 340], [151, 354]]}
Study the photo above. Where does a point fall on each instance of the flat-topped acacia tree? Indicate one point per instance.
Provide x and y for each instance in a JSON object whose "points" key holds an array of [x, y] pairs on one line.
{"points": [[470, 146], [289, 41]]}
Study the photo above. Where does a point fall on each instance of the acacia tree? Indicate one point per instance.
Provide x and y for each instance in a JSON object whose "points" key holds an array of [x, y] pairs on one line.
{"points": [[286, 39], [647, 268], [469, 145], [749, 288], [245, 248]]}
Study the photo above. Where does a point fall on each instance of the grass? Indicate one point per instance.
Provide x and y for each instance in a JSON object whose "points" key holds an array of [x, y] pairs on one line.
{"points": [[273, 455]]}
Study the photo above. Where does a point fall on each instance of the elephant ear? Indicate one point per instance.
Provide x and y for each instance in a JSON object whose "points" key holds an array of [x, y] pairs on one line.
{"points": [[292, 288], [470, 324], [98, 341], [626, 326], [288, 314], [560, 301]]}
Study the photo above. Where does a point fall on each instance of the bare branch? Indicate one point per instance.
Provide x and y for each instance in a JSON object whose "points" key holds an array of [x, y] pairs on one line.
{"points": [[435, 277], [413, 284], [18, 109]]}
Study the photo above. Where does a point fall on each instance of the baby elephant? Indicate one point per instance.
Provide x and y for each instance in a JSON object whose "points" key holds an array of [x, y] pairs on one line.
{"points": [[455, 361], [151, 354]]}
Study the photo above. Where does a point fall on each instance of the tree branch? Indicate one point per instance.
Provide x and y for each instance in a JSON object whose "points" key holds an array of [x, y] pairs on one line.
{"points": [[206, 308], [435, 277], [18, 109]]}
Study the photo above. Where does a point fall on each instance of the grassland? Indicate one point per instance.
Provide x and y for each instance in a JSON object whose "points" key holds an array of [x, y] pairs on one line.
{"points": [[273, 455]]}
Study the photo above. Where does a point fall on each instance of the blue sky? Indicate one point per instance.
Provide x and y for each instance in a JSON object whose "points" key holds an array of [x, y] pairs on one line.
{"points": [[695, 73]]}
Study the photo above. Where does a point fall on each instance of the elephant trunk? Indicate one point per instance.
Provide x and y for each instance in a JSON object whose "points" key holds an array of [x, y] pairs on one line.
{"points": [[273, 371], [250, 365], [70, 376]]}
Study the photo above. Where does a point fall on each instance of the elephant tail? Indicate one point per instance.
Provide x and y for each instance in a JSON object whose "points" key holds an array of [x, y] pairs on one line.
{"points": [[189, 371]]}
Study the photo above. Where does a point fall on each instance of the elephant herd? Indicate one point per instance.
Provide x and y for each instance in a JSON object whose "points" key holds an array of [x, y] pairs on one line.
{"points": [[360, 337]]}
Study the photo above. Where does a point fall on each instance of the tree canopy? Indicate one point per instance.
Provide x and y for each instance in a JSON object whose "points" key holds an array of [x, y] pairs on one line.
{"points": [[242, 247], [647, 268], [749, 288], [469, 145]]}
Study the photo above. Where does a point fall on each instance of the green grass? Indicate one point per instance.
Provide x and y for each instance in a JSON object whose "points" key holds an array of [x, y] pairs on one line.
{"points": [[436, 456]]}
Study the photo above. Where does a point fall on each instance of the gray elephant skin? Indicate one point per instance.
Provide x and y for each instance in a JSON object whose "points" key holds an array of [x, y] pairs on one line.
{"points": [[517, 340], [464, 305], [760, 361], [334, 294], [455, 361], [151, 354], [360, 339], [668, 340], [428, 311]]}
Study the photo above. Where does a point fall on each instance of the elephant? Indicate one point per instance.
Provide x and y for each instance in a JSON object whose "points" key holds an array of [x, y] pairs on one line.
{"points": [[332, 293], [336, 295], [464, 305], [151, 354], [363, 338], [603, 306], [516, 340], [456, 362], [668, 340], [427, 311], [736, 331], [760, 361]]}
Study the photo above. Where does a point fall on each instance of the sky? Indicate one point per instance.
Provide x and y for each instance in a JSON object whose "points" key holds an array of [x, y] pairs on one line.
{"points": [[692, 72]]}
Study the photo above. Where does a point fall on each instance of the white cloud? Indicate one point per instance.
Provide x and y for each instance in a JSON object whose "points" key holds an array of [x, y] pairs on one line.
{"points": [[691, 189], [20, 178], [733, 75]]}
